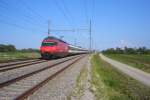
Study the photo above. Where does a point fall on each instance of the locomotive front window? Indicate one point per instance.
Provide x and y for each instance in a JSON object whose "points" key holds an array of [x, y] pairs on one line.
{"points": [[49, 43]]}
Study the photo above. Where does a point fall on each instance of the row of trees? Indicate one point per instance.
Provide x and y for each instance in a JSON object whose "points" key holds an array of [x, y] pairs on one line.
{"points": [[126, 50], [29, 50], [7, 48], [12, 48]]}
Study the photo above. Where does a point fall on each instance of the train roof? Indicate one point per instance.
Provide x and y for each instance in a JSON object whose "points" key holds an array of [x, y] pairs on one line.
{"points": [[50, 37], [55, 38]]}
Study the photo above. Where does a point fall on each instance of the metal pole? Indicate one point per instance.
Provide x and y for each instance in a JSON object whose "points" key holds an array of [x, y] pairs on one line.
{"points": [[61, 37], [75, 42], [48, 28], [90, 37]]}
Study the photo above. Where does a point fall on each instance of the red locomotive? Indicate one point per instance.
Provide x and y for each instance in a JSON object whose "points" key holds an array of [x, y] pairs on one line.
{"points": [[53, 47]]}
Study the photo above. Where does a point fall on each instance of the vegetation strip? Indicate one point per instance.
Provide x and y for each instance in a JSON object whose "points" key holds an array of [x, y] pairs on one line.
{"points": [[12, 56], [110, 84], [138, 61]]}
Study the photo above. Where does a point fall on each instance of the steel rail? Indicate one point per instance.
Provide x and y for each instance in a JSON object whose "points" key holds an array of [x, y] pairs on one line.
{"points": [[17, 63], [21, 65], [16, 60], [4, 84], [38, 86]]}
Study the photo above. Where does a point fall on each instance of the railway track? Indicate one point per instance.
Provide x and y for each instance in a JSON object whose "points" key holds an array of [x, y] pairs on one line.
{"points": [[7, 67], [16, 60], [21, 87]]}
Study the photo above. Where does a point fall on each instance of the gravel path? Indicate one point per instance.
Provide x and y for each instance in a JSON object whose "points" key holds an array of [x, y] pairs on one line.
{"points": [[135, 73], [62, 85]]}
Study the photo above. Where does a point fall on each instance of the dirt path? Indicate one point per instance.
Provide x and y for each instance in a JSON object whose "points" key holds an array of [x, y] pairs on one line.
{"points": [[135, 73]]}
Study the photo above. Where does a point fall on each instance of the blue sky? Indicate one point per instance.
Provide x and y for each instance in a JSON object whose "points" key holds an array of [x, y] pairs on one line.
{"points": [[115, 23]]}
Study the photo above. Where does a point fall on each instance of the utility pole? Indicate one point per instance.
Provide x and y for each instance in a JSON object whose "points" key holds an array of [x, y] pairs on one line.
{"points": [[61, 37], [73, 30], [75, 42], [48, 28], [90, 37]]}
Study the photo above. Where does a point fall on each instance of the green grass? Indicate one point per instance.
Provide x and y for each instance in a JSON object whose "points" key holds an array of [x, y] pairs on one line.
{"points": [[139, 61], [110, 84], [4, 56]]}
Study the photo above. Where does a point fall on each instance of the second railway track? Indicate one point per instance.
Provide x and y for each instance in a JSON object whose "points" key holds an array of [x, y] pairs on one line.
{"points": [[17, 62], [22, 86], [20, 64]]}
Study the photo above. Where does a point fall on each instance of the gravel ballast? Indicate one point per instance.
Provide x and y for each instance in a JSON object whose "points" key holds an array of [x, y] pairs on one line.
{"points": [[62, 85], [14, 90]]}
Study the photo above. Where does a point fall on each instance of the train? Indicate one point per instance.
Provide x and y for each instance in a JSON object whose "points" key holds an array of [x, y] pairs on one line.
{"points": [[53, 47]]}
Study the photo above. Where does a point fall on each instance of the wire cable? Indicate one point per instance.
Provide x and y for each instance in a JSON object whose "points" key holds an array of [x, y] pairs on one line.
{"points": [[19, 26], [86, 10], [67, 11], [62, 11], [24, 18]]}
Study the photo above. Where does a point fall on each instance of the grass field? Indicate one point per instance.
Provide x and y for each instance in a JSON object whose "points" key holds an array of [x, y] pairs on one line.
{"points": [[4, 56], [139, 61], [110, 84]]}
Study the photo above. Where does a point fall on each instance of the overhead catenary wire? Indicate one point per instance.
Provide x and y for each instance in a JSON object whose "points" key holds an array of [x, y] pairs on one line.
{"points": [[88, 17], [89, 9], [32, 10], [86, 10], [93, 10], [24, 18], [67, 11], [33, 14], [6, 7], [16, 19], [19, 26], [28, 16], [93, 20], [62, 11], [12, 22]]}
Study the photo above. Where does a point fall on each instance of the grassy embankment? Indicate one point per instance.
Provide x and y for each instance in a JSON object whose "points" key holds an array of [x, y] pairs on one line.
{"points": [[4, 56], [110, 84], [139, 61]]}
